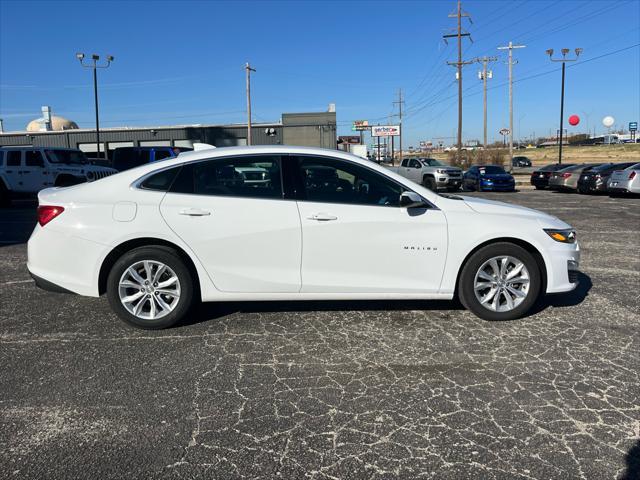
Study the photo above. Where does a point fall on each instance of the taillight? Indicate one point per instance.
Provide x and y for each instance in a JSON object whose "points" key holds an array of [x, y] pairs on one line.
{"points": [[46, 213], [632, 175], [566, 175]]}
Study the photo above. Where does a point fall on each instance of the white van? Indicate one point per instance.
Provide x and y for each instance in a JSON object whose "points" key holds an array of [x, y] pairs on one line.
{"points": [[24, 171]]}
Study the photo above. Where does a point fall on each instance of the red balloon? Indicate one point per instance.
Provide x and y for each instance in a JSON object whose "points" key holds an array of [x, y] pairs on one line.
{"points": [[574, 120]]}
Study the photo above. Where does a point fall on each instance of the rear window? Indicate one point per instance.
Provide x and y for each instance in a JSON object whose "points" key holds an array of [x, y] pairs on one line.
{"points": [[162, 180], [161, 154], [126, 158], [70, 157], [13, 158]]}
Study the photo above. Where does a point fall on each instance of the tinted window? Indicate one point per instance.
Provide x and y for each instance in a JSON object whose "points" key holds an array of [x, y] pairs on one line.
{"points": [[491, 170], [335, 181], [414, 164], [432, 162], [405, 162], [33, 158], [161, 180], [126, 158], [160, 154], [13, 158], [254, 176], [1, 157]]}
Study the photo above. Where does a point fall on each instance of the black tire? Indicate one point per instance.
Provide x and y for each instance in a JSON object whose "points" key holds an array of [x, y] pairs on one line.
{"points": [[5, 198], [167, 256], [538, 187], [430, 183], [466, 292]]}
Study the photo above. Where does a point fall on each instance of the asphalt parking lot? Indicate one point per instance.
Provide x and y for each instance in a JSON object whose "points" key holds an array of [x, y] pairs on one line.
{"points": [[331, 389]]}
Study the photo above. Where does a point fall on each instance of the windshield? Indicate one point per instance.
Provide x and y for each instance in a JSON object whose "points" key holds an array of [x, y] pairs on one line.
{"points": [[491, 170], [431, 162], [73, 157]]}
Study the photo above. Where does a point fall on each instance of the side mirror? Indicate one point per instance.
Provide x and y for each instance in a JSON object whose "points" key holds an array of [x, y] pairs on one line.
{"points": [[411, 200]]}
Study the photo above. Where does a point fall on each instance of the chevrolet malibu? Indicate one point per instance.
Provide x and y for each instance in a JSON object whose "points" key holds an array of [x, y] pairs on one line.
{"points": [[158, 238]]}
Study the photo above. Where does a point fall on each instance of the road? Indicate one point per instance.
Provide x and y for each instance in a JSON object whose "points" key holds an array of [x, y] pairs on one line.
{"points": [[331, 389]]}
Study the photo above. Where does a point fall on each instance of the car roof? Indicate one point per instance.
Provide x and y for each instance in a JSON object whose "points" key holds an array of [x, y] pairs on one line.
{"points": [[31, 147]]}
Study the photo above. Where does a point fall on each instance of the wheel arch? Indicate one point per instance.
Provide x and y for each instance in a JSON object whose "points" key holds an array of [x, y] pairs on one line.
{"points": [[113, 256], [516, 241]]}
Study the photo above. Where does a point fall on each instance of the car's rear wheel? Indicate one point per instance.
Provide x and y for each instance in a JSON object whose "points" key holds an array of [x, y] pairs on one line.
{"points": [[150, 287], [500, 282]]}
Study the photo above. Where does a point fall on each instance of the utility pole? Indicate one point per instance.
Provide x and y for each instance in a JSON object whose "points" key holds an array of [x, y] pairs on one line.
{"points": [[564, 59], [459, 34], [483, 75], [511, 63], [248, 68], [400, 102]]}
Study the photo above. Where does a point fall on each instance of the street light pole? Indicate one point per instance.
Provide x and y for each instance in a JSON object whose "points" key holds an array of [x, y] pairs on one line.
{"points": [[94, 65], [564, 59]]}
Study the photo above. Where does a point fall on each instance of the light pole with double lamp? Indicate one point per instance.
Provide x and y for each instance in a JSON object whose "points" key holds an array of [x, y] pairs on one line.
{"points": [[94, 65], [564, 59]]}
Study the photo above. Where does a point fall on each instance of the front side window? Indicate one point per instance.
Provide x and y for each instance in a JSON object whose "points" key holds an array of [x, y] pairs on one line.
{"points": [[13, 158], [33, 158], [253, 176], [414, 164], [432, 162], [162, 154], [335, 181]]}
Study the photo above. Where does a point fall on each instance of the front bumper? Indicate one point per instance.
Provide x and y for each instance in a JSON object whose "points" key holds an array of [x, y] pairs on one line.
{"points": [[443, 181], [562, 265], [498, 187]]}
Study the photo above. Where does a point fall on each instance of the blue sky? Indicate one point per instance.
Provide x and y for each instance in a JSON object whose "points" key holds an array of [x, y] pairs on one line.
{"points": [[182, 62]]}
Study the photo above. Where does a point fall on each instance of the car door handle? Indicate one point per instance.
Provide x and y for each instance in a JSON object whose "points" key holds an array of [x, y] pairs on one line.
{"points": [[194, 212], [322, 217]]}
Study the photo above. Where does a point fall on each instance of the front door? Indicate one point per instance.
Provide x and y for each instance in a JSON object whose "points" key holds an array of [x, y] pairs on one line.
{"points": [[232, 214], [357, 238]]}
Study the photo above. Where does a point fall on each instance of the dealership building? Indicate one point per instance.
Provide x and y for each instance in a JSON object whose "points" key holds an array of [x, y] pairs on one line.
{"points": [[315, 129]]}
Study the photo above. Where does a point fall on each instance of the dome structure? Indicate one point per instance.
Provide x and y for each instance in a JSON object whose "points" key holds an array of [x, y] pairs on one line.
{"points": [[57, 123]]}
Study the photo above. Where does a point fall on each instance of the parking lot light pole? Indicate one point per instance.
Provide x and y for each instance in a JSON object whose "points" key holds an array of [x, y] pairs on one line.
{"points": [[564, 59], [94, 65]]}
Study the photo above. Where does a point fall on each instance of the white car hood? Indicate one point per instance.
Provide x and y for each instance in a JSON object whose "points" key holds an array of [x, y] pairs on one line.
{"points": [[482, 205]]}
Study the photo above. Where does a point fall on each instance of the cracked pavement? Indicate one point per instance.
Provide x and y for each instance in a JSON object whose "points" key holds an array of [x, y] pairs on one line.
{"points": [[358, 390]]}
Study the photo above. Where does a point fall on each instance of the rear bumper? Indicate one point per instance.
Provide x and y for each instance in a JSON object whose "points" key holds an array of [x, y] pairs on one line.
{"points": [[61, 262]]}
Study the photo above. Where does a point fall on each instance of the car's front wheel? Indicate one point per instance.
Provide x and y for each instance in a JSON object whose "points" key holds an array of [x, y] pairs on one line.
{"points": [[501, 281], [150, 287]]}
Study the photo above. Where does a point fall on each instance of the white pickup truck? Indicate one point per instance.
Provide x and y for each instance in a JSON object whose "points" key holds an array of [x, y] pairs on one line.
{"points": [[24, 171], [431, 173]]}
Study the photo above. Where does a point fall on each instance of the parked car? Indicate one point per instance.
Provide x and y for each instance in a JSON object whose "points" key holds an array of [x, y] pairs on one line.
{"points": [[430, 173], [520, 161], [165, 235], [540, 177], [24, 171], [567, 178], [124, 158], [595, 180], [488, 177], [625, 181]]}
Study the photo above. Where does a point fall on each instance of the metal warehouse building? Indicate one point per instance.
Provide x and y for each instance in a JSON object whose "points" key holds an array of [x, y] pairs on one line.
{"points": [[315, 129]]}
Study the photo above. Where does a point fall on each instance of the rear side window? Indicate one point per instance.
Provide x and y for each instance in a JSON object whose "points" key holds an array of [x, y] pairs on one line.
{"points": [[126, 158], [33, 158], [161, 181], [1, 158], [13, 158], [161, 154], [252, 177]]}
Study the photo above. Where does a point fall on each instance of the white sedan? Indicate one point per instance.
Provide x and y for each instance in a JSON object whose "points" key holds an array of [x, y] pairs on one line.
{"points": [[327, 226]]}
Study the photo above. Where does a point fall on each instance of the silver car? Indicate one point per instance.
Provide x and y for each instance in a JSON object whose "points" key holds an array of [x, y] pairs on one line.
{"points": [[567, 178], [625, 181]]}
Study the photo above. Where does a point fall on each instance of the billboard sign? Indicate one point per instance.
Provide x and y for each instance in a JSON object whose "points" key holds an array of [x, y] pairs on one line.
{"points": [[360, 125], [350, 139], [385, 130], [633, 126]]}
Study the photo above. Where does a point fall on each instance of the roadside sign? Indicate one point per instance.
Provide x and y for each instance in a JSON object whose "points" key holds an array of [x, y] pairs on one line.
{"points": [[505, 131], [360, 125], [633, 126], [385, 130], [350, 139]]}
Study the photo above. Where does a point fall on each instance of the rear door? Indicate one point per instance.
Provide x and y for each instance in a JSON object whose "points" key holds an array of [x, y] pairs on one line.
{"points": [[13, 170], [247, 236], [33, 176], [357, 238]]}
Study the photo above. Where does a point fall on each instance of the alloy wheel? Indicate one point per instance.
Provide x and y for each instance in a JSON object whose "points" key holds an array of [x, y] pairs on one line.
{"points": [[501, 283], [149, 289]]}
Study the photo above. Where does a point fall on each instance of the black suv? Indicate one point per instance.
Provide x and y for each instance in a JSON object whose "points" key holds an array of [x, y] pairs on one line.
{"points": [[520, 162]]}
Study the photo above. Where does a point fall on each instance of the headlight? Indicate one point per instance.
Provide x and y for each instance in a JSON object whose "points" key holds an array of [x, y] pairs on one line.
{"points": [[439, 170], [562, 236]]}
